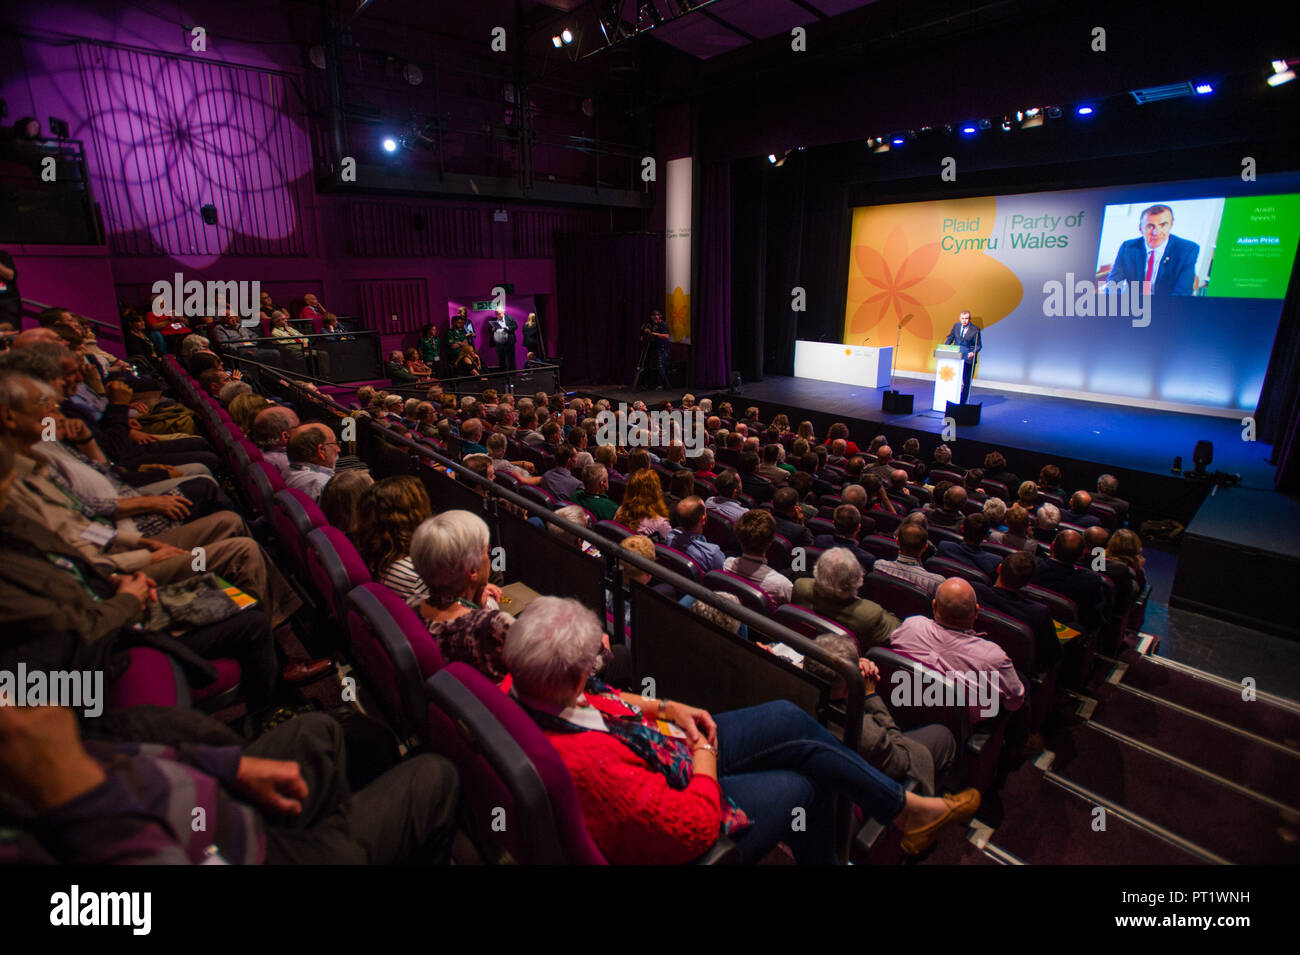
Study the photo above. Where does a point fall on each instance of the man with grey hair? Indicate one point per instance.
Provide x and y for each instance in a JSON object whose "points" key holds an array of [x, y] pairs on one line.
{"points": [[313, 451], [949, 643], [271, 429], [166, 557], [1045, 524], [833, 592], [594, 495], [995, 509], [496, 449], [921, 754], [471, 431], [1107, 493]]}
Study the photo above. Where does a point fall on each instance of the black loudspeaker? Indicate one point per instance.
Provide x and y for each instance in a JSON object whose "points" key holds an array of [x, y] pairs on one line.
{"points": [[964, 414], [209, 213], [895, 402]]}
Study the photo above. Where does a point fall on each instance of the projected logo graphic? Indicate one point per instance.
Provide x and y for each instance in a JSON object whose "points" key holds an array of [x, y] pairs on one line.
{"points": [[928, 260]]}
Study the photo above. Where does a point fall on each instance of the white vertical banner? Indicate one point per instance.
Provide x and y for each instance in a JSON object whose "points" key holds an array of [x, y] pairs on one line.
{"points": [[677, 250]]}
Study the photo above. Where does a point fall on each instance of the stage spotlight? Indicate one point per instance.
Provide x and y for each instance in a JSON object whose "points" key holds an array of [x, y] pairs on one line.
{"points": [[771, 157], [209, 213], [897, 140], [566, 35], [1006, 124], [58, 128], [986, 124], [390, 144], [1053, 112], [1204, 89], [1084, 110], [556, 41], [1282, 73], [968, 130]]}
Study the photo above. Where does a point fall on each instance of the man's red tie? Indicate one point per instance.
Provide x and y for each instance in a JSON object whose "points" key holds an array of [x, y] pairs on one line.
{"points": [[1151, 264]]}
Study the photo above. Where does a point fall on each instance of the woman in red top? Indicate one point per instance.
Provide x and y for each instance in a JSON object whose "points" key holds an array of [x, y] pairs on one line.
{"points": [[660, 781]]}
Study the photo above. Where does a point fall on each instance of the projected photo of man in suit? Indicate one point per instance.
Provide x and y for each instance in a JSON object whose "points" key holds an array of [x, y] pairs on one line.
{"points": [[1164, 263]]}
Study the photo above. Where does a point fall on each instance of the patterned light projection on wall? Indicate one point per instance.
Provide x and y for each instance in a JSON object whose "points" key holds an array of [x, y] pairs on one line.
{"points": [[173, 134]]}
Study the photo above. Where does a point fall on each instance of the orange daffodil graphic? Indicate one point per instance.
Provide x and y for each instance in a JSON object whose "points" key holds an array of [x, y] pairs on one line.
{"points": [[902, 262], [895, 283]]}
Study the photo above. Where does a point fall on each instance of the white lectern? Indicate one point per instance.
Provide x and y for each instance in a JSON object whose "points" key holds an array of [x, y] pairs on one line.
{"points": [[947, 376]]}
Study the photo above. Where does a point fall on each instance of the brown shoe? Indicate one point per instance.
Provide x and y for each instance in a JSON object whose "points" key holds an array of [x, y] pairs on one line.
{"points": [[299, 672], [960, 808]]}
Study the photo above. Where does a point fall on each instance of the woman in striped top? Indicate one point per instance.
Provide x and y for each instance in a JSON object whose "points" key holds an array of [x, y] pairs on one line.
{"points": [[390, 512]]}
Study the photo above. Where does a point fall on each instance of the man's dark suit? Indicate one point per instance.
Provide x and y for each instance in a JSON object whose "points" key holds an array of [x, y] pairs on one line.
{"points": [[1177, 272], [1082, 586], [1047, 648], [970, 340], [865, 557], [964, 554], [797, 534]]}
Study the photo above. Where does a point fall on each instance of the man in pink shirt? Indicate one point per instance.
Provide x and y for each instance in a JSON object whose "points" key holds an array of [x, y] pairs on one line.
{"points": [[950, 645]]}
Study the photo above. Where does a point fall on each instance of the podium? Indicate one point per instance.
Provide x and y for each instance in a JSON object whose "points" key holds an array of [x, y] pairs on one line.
{"points": [[947, 377]]}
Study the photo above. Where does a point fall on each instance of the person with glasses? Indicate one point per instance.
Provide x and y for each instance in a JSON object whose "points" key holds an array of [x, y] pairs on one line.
{"points": [[313, 451]]}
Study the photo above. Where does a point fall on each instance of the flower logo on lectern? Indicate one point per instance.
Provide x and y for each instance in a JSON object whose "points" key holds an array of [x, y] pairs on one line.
{"points": [[896, 280], [946, 373]]}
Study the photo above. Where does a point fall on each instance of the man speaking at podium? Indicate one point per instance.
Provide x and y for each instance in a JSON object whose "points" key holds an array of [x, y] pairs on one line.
{"points": [[967, 337]]}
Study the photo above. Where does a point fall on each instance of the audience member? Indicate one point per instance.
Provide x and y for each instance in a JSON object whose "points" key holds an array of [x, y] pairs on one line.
{"points": [[832, 591], [648, 798], [755, 531], [912, 544]]}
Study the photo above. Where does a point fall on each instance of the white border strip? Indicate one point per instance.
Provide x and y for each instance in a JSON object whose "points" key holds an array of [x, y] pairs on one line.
{"points": [[1155, 404]]}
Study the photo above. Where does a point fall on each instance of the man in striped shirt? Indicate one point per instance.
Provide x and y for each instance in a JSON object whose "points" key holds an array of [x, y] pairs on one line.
{"points": [[911, 544]]}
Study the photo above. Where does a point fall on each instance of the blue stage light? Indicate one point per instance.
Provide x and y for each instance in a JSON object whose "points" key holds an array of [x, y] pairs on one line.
{"points": [[390, 144], [968, 130], [1203, 89], [1085, 111]]}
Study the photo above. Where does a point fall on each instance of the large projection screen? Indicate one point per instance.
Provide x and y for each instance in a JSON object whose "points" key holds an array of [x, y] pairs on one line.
{"points": [[1058, 283]]}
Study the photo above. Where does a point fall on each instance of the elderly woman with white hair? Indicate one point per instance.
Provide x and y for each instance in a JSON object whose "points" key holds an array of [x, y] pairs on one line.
{"points": [[995, 509], [450, 553], [833, 592], [659, 781], [1046, 522]]}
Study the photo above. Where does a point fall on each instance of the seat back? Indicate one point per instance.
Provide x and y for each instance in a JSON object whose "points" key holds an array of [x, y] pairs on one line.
{"points": [[396, 652], [955, 718], [677, 562], [335, 567], [1013, 636], [882, 522], [900, 597], [956, 568], [506, 764], [996, 489], [1061, 607], [613, 530], [750, 595], [779, 553], [882, 548], [265, 483], [719, 530], [940, 534], [810, 623], [295, 516], [819, 526]]}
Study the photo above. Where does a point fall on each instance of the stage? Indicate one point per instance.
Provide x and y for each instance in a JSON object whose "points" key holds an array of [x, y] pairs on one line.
{"points": [[1138, 445], [1127, 438]]}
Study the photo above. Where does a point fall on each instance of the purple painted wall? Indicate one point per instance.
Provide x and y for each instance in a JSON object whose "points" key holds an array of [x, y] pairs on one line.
{"points": [[167, 129]]}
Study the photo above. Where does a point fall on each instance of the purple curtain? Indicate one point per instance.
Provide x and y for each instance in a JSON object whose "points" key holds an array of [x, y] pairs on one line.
{"points": [[605, 286], [711, 283]]}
